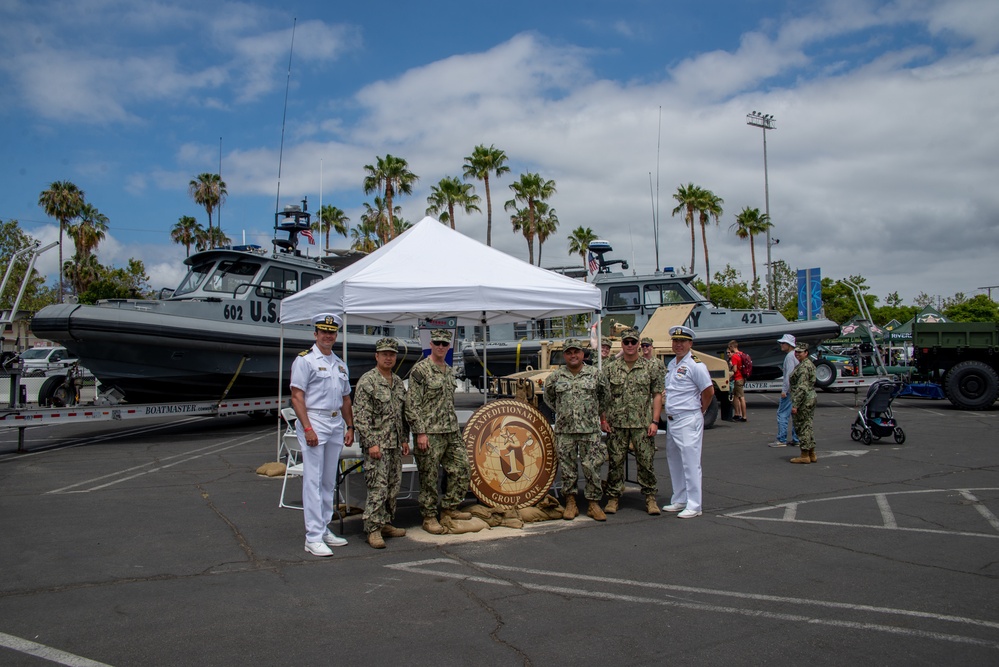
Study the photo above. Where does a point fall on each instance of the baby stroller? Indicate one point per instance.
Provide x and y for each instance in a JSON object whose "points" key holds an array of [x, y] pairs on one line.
{"points": [[874, 419]]}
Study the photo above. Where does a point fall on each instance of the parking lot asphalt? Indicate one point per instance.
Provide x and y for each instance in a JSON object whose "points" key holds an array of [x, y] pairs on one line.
{"points": [[155, 543]]}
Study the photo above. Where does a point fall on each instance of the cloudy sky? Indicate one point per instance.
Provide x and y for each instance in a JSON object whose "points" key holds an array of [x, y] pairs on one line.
{"points": [[883, 162]]}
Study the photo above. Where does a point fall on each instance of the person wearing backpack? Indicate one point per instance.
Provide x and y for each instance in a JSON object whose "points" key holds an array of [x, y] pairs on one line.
{"points": [[741, 365]]}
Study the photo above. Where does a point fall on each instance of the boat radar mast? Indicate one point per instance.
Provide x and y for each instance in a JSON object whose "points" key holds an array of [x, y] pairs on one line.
{"points": [[598, 248], [293, 219]]}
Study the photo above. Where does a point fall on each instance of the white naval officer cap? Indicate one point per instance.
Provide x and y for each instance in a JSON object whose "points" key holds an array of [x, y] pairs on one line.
{"points": [[327, 322], [680, 332]]}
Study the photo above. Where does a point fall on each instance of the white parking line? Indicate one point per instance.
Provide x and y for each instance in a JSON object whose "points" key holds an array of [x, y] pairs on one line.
{"points": [[46, 652], [420, 567], [982, 509], [212, 449]]}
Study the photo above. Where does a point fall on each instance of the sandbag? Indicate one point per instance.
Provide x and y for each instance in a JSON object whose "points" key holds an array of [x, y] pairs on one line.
{"points": [[459, 526], [272, 469]]}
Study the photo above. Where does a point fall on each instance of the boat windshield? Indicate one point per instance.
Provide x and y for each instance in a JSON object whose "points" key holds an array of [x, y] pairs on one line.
{"points": [[230, 275], [195, 276]]}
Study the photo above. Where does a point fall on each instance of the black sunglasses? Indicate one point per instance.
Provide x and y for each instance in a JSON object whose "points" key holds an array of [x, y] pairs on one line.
{"points": [[441, 342]]}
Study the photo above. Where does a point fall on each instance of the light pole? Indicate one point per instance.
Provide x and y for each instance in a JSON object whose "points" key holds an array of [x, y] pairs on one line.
{"points": [[765, 121]]}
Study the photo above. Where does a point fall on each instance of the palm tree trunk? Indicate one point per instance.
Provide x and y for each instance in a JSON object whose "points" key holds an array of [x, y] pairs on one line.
{"points": [[752, 255], [390, 232], [707, 264], [693, 239], [450, 213], [489, 212], [60, 262]]}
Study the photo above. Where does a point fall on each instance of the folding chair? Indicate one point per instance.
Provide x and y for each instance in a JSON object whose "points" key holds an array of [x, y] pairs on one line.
{"points": [[293, 450]]}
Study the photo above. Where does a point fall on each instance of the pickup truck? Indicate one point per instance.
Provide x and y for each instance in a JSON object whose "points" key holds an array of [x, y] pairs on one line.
{"points": [[39, 361], [962, 357]]}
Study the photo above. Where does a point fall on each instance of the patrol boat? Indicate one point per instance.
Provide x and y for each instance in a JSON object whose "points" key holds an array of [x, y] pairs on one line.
{"points": [[216, 335], [630, 301]]}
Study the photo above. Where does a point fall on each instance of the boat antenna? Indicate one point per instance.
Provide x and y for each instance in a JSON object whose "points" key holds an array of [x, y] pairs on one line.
{"points": [[655, 225], [220, 187], [284, 116], [656, 218]]}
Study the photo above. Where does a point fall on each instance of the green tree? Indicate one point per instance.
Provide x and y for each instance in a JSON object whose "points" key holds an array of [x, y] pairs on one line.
{"points": [[688, 198], [130, 282], [333, 219], [728, 289], [62, 201], [748, 224], [579, 244], [186, 232], [785, 288], [449, 193], [979, 308], [36, 295], [530, 189], [364, 236], [82, 272], [709, 206], [545, 225], [375, 217], [480, 164], [391, 176], [209, 191]]}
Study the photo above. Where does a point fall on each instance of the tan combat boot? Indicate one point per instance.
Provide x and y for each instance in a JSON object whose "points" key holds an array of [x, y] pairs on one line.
{"points": [[375, 540], [571, 511], [611, 506], [388, 530], [433, 526], [651, 506], [804, 458], [456, 514], [594, 511], [811, 455]]}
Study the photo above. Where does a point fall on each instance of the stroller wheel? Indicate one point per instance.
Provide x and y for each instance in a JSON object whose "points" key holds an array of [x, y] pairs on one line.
{"points": [[899, 435], [855, 434], [867, 437]]}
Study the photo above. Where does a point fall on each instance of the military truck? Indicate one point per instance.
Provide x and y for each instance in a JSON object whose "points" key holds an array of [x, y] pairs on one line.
{"points": [[962, 357], [529, 385]]}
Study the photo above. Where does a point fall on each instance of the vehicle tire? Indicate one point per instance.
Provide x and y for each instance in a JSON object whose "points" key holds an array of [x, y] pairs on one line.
{"points": [[899, 435], [972, 385], [867, 436], [48, 389], [825, 373], [855, 434], [711, 416], [65, 397]]}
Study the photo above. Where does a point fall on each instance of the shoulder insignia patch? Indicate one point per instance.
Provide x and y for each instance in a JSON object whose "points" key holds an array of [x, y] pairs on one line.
{"points": [[694, 358], [304, 353]]}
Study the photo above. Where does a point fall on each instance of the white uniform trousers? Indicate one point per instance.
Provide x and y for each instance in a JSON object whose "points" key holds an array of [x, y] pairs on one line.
{"points": [[319, 469], [684, 435]]}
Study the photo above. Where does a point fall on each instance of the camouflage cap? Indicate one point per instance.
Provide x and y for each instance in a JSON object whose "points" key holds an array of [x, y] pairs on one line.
{"points": [[630, 334], [605, 342], [647, 341], [440, 336], [801, 347], [571, 343], [386, 345]]}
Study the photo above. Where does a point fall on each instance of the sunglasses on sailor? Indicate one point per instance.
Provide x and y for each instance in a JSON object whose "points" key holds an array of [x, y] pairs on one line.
{"points": [[440, 343]]}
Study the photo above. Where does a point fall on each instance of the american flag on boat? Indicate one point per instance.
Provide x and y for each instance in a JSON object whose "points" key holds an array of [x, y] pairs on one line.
{"points": [[307, 233]]}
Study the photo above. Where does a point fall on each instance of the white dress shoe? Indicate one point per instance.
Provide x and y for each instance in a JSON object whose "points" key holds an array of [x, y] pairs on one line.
{"points": [[688, 514], [332, 540], [675, 507], [318, 549]]}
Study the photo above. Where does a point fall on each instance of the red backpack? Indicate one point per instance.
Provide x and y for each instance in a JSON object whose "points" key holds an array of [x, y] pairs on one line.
{"points": [[745, 365]]}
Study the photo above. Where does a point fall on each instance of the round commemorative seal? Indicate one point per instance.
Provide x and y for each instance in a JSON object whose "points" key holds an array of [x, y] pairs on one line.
{"points": [[511, 449]]}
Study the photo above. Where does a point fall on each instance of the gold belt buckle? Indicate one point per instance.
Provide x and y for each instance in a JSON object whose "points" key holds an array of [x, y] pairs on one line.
{"points": [[334, 413]]}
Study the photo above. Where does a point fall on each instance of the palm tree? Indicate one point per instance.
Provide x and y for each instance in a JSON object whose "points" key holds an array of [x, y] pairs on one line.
{"points": [[530, 189], [390, 175], [333, 219], [378, 220], [688, 197], [82, 272], [208, 190], [709, 206], [185, 232], [480, 164], [217, 238], [447, 194], [91, 229], [63, 201], [579, 244], [364, 236], [748, 224], [545, 224]]}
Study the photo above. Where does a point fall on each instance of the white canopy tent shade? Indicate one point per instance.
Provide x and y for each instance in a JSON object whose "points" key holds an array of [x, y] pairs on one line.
{"points": [[431, 271]]}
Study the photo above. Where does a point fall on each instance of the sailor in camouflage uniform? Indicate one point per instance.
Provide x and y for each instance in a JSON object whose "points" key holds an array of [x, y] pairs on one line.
{"points": [[631, 419], [380, 423], [803, 401], [576, 393], [431, 415]]}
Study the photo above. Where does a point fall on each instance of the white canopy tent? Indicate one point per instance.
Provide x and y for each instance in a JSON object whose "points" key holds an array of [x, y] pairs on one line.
{"points": [[432, 271]]}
